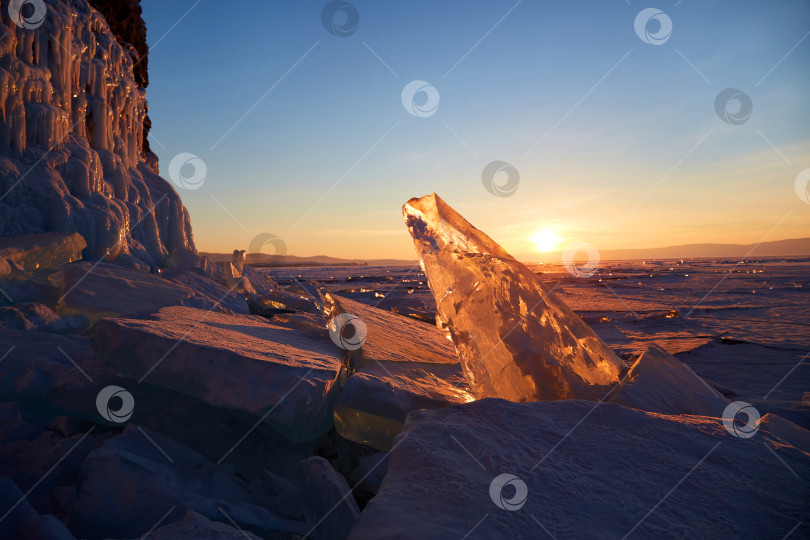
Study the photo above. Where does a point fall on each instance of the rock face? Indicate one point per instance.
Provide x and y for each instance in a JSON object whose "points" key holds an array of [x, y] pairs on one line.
{"points": [[659, 382], [604, 476], [231, 361], [516, 339], [72, 156], [124, 18]]}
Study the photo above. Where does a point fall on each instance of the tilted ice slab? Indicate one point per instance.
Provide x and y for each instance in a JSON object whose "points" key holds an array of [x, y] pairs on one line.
{"points": [[659, 382], [516, 339], [105, 290], [403, 365], [590, 470], [231, 361]]}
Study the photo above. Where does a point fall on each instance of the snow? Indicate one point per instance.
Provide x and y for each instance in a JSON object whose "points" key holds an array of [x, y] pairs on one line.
{"points": [[234, 414], [106, 290], [199, 527], [71, 132], [32, 316], [37, 363], [771, 378], [659, 382], [233, 361], [330, 509], [133, 480], [517, 340], [22, 520], [591, 471]]}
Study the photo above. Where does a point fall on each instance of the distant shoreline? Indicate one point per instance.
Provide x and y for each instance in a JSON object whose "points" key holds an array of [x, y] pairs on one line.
{"points": [[792, 248]]}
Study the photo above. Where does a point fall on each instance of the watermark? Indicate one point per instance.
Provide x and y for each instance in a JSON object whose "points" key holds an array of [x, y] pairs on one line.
{"points": [[728, 114], [653, 26], [420, 99], [187, 171], [743, 430], [115, 404], [340, 18], [802, 186], [269, 245], [517, 500], [503, 189], [348, 331], [573, 264], [28, 14]]}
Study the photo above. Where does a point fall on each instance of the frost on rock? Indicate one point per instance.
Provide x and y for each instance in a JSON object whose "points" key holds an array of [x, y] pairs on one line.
{"points": [[516, 339], [72, 157]]}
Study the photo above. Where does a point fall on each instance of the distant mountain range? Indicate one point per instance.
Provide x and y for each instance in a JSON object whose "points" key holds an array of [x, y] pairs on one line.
{"points": [[798, 247]]}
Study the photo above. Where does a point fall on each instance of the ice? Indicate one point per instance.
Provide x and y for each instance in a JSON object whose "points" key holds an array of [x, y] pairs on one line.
{"points": [[208, 291], [10, 495], [659, 382], [590, 472], [756, 373], [107, 290], [32, 316], [72, 152], [232, 361], [128, 484], [37, 363], [42, 251], [199, 527], [516, 339], [22, 520], [402, 366], [330, 509]]}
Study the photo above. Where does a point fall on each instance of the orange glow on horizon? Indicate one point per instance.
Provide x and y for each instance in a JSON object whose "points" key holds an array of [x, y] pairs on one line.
{"points": [[545, 240]]}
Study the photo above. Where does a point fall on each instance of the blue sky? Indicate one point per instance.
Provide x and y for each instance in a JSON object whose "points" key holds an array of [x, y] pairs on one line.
{"points": [[631, 151]]}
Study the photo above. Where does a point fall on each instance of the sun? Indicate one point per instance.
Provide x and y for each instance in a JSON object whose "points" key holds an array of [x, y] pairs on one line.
{"points": [[545, 240]]}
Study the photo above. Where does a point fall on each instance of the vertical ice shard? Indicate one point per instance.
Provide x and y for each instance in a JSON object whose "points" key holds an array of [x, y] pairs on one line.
{"points": [[515, 338]]}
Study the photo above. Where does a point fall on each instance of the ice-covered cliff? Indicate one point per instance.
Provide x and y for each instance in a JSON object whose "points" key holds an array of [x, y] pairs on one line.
{"points": [[73, 117]]}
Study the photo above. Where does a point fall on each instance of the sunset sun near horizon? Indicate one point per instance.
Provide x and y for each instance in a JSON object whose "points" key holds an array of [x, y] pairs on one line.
{"points": [[545, 240]]}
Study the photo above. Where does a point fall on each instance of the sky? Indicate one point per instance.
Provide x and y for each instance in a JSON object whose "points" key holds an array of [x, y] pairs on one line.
{"points": [[612, 136]]}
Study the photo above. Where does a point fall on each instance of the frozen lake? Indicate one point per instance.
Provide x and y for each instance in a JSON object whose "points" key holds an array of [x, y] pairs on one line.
{"points": [[744, 326]]}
